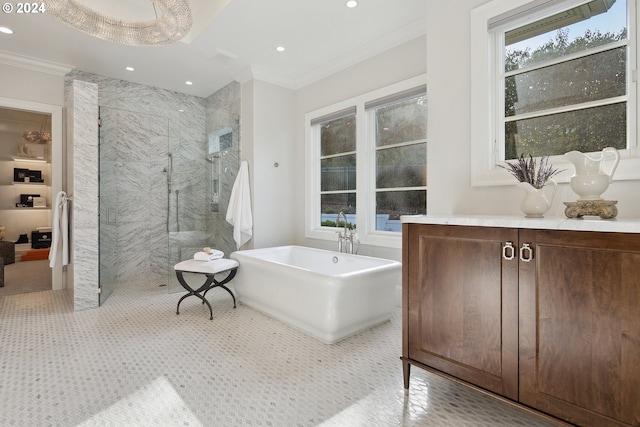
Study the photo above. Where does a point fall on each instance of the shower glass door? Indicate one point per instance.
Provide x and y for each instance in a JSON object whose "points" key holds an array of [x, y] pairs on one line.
{"points": [[133, 198], [106, 202]]}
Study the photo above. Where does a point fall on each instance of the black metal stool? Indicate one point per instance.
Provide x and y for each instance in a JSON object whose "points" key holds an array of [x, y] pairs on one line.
{"points": [[209, 269]]}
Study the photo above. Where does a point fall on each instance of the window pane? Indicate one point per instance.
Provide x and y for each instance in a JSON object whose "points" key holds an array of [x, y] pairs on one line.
{"points": [[391, 204], [403, 121], [590, 78], [338, 173], [575, 30], [332, 204], [587, 130], [402, 166], [338, 136]]}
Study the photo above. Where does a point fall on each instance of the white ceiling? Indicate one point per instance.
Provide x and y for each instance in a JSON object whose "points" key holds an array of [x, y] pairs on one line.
{"points": [[230, 40]]}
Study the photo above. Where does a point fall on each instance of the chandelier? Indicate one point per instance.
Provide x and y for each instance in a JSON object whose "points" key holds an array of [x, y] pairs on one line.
{"points": [[172, 23]]}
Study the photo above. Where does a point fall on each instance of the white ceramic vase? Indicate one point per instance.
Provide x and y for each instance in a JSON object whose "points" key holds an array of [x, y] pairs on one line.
{"points": [[535, 202]]}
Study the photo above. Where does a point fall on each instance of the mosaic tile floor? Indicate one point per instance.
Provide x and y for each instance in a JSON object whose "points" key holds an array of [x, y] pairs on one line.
{"points": [[135, 362]]}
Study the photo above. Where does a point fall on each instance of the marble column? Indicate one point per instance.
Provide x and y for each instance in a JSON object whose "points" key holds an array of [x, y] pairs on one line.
{"points": [[82, 143]]}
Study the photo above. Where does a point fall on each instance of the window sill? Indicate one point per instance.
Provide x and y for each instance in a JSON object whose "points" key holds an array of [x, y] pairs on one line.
{"points": [[627, 170], [380, 238]]}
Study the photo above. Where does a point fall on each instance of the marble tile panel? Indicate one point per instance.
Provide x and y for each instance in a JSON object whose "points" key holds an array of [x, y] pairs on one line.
{"points": [[158, 173], [133, 137], [85, 113], [132, 177], [108, 244], [133, 209], [186, 153], [133, 250], [108, 177], [157, 225], [85, 188], [158, 213], [158, 126], [174, 132], [107, 253], [108, 135], [86, 267], [192, 132], [158, 146], [159, 250], [85, 160]]}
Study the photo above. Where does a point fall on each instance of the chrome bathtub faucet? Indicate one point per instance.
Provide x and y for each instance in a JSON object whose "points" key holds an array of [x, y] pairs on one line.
{"points": [[346, 237]]}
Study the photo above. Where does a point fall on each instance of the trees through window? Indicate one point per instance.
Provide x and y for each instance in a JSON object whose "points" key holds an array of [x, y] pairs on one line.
{"points": [[565, 81]]}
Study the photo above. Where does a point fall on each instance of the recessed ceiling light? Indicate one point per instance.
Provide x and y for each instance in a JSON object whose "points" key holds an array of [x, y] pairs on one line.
{"points": [[181, 110], [352, 3], [6, 30], [280, 49], [129, 68], [188, 83]]}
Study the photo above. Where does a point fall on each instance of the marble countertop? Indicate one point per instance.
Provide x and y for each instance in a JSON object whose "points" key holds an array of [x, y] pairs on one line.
{"points": [[616, 225]]}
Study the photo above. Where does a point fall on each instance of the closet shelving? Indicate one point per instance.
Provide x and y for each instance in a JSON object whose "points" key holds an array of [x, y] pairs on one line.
{"points": [[10, 190]]}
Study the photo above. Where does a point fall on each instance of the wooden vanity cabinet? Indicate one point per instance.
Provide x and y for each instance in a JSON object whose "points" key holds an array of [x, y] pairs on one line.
{"points": [[580, 326], [558, 331], [462, 316]]}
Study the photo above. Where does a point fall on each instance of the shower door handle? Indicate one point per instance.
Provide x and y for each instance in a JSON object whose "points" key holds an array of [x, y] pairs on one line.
{"points": [[112, 216]]}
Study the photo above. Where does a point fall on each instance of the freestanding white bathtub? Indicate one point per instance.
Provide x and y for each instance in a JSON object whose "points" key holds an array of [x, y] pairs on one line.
{"points": [[329, 295]]}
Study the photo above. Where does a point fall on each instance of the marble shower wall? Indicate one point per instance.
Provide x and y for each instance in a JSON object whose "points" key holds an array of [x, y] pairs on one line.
{"points": [[152, 118]]}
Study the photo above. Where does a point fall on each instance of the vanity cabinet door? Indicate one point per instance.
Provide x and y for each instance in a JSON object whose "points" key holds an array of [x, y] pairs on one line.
{"points": [[461, 303], [580, 326]]}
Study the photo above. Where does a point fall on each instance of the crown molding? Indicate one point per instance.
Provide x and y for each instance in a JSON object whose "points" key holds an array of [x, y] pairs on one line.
{"points": [[33, 64]]}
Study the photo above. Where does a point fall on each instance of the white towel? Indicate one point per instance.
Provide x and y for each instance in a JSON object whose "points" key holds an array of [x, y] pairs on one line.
{"points": [[59, 228], [204, 256], [239, 211]]}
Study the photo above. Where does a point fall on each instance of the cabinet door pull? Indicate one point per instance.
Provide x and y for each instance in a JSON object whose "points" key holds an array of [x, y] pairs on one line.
{"points": [[508, 248], [525, 249]]}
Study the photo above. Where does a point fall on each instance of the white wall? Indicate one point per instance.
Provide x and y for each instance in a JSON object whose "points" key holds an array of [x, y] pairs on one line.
{"points": [[448, 87], [267, 138], [397, 64], [29, 85]]}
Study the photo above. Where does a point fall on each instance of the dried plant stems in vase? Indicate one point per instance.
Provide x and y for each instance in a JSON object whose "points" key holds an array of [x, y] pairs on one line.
{"points": [[527, 170]]}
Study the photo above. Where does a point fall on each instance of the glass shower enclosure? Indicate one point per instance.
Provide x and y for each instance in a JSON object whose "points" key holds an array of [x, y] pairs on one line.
{"points": [[163, 197]]}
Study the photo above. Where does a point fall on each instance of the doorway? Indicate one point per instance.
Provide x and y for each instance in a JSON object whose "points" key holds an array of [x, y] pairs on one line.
{"points": [[30, 176]]}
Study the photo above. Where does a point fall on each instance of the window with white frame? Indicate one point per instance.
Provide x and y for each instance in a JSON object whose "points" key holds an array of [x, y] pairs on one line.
{"points": [[337, 143], [366, 157], [561, 74], [398, 135]]}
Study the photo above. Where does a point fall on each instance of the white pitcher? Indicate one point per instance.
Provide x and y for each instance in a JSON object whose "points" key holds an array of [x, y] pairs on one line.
{"points": [[590, 181]]}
